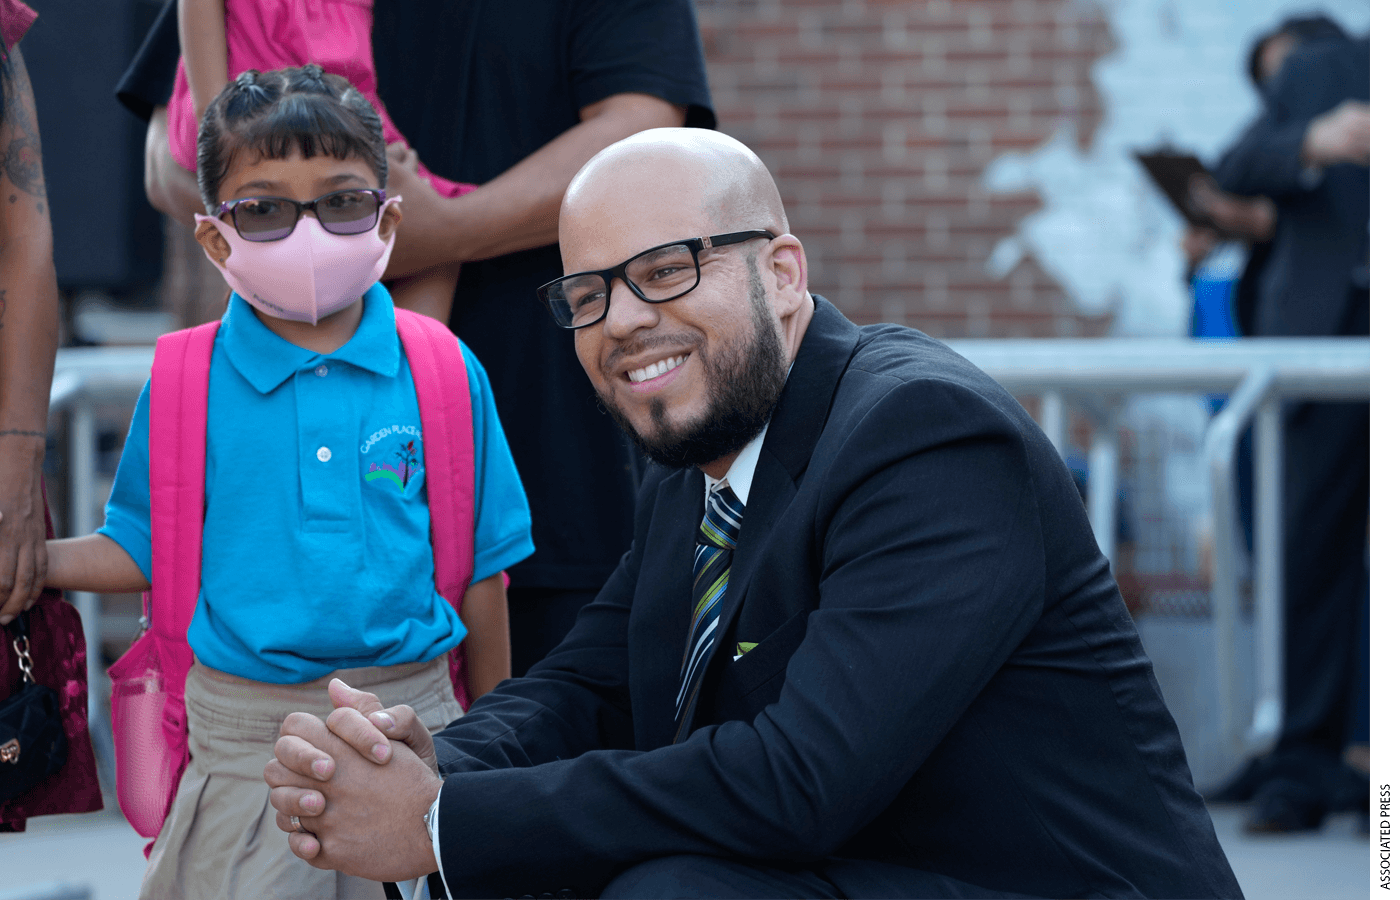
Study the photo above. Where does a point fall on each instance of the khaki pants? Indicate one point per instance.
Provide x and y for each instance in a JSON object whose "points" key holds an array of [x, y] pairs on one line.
{"points": [[221, 839]]}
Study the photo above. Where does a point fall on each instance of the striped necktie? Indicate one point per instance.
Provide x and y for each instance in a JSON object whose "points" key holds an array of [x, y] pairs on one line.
{"points": [[719, 533]]}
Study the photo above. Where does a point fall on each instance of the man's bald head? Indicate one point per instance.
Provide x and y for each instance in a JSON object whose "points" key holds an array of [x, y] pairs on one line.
{"points": [[696, 377], [701, 180]]}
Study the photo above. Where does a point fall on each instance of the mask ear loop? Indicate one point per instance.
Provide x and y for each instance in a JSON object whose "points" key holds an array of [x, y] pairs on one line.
{"points": [[379, 219]]}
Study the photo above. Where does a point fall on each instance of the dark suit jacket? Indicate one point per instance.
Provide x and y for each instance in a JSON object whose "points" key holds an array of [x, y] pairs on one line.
{"points": [[1308, 285], [947, 693]]}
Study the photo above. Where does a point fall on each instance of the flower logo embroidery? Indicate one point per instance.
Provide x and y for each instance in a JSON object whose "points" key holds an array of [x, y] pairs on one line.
{"points": [[400, 472]]}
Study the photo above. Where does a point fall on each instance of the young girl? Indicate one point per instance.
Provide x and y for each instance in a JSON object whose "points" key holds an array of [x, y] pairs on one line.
{"points": [[316, 561], [220, 38]]}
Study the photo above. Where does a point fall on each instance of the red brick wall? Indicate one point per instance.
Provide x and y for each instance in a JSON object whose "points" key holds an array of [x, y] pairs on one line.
{"points": [[878, 118]]}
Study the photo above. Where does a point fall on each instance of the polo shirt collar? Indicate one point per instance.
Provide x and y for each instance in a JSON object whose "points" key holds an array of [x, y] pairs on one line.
{"points": [[265, 360]]}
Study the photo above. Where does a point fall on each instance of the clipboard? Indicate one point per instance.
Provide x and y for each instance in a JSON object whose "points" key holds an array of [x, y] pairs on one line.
{"points": [[1172, 174]]}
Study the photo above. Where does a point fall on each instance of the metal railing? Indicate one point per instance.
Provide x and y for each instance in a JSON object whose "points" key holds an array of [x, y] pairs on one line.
{"points": [[83, 378], [1096, 373], [1258, 374], [50, 890]]}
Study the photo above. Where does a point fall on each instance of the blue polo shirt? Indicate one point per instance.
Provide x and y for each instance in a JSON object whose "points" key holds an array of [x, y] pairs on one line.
{"points": [[316, 548]]}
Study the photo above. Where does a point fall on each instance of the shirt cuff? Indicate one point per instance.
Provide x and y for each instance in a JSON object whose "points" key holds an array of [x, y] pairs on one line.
{"points": [[417, 889], [437, 846]]}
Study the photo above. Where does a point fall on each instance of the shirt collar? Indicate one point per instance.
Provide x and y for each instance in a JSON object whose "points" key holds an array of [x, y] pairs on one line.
{"points": [[740, 474], [265, 360]]}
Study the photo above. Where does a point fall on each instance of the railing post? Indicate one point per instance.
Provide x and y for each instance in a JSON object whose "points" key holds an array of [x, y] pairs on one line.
{"points": [[1052, 419], [1103, 487], [1268, 578], [82, 459], [1221, 446]]}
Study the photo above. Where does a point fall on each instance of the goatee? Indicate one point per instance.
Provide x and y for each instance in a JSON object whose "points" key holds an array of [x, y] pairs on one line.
{"points": [[749, 382]]}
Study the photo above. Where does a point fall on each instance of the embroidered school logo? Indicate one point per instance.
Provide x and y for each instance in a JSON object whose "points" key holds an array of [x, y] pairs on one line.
{"points": [[400, 470]]}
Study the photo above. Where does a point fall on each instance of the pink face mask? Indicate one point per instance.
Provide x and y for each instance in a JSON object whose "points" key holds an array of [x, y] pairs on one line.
{"points": [[307, 275]]}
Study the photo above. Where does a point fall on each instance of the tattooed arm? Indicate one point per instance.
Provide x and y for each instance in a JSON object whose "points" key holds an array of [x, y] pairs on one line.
{"points": [[28, 340]]}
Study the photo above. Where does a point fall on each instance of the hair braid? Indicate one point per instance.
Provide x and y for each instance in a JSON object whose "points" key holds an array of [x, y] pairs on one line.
{"points": [[269, 114]]}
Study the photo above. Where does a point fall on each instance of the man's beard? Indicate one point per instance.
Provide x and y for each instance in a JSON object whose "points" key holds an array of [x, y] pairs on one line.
{"points": [[749, 380]]}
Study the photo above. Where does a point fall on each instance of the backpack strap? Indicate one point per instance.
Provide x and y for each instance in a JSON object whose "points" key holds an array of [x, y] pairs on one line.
{"points": [[179, 413], [449, 458]]}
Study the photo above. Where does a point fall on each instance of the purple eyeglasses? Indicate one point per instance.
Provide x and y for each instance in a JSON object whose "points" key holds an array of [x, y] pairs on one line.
{"points": [[352, 211]]}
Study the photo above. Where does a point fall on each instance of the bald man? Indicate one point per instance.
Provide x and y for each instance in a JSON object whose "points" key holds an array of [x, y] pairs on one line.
{"points": [[863, 645]]}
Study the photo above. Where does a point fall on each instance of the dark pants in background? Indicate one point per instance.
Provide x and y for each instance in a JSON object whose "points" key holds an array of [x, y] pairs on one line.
{"points": [[1327, 481], [539, 619], [1326, 501]]}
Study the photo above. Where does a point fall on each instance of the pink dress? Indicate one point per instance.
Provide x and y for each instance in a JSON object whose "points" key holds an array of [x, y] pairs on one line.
{"points": [[15, 19], [274, 34]]}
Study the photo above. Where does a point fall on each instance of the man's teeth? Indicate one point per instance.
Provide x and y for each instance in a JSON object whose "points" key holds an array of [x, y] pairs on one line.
{"points": [[656, 368]]}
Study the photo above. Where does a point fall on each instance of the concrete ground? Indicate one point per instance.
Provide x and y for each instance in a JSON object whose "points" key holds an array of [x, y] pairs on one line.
{"points": [[1328, 864], [98, 857]]}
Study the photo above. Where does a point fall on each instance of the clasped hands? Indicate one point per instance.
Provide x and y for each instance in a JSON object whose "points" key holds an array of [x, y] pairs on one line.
{"points": [[359, 783]]}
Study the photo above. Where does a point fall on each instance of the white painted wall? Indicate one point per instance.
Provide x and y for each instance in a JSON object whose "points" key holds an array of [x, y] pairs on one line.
{"points": [[1176, 77]]}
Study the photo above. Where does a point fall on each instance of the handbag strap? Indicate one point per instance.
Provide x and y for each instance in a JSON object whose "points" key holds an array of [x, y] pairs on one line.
{"points": [[179, 413], [20, 642], [449, 448]]}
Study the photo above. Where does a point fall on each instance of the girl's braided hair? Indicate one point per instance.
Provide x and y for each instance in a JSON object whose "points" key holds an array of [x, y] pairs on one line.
{"points": [[269, 113]]}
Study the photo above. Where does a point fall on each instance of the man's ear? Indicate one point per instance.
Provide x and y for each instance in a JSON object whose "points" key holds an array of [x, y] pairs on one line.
{"points": [[213, 242], [788, 262], [389, 219]]}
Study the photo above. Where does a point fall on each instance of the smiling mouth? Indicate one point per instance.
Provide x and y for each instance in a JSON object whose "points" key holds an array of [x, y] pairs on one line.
{"points": [[656, 369]]}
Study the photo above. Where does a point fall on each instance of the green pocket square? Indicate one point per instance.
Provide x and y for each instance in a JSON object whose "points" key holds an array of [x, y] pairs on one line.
{"points": [[743, 647]]}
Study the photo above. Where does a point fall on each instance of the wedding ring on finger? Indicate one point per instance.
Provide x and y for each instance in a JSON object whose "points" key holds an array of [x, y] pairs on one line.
{"points": [[296, 825]]}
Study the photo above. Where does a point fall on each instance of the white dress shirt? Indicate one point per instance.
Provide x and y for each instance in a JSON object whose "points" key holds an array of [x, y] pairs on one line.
{"points": [[740, 474]]}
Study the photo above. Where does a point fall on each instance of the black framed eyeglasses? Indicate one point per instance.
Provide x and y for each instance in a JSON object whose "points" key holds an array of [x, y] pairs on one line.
{"points": [[656, 275], [351, 211]]}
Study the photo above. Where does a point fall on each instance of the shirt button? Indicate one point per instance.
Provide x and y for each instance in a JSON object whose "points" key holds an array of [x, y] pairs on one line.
{"points": [[324, 454], [322, 370]]}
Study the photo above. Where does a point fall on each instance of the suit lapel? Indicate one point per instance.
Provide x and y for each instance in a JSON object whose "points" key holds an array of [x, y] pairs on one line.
{"points": [[662, 606], [793, 431]]}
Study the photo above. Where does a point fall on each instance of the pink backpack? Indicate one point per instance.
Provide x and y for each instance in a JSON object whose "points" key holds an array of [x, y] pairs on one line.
{"points": [[149, 728]]}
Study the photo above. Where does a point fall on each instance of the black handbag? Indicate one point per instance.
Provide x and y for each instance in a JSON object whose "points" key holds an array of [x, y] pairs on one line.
{"points": [[32, 743]]}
